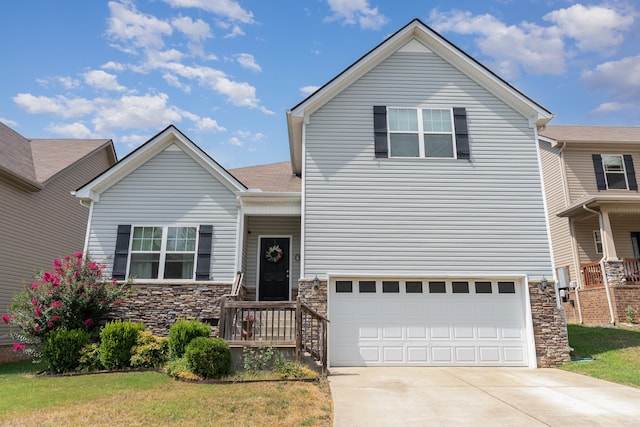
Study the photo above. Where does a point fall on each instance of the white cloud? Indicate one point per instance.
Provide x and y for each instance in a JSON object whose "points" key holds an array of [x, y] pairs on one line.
{"points": [[235, 141], [114, 66], [135, 112], [595, 28], [528, 46], [175, 82], [308, 90], [71, 130], [621, 79], [245, 134], [133, 29], [236, 31], [60, 105], [612, 107], [207, 124], [196, 31], [8, 122], [248, 61], [225, 8], [133, 141], [357, 11], [103, 80], [68, 82]]}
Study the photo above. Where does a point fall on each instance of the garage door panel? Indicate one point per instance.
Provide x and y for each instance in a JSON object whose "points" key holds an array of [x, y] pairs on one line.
{"points": [[443, 329]]}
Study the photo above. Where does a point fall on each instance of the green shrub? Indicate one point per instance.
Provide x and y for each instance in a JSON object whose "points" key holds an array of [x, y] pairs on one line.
{"points": [[288, 369], [74, 295], [116, 341], [182, 332], [179, 368], [150, 351], [259, 359], [62, 349], [90, 358], [208, 357]]}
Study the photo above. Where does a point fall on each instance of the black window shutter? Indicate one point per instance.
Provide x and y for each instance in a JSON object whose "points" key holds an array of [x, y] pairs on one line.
{"points": [[462, 134], [597, 167], [380, 131], [119, 271], [203, 265], [631, 172]]}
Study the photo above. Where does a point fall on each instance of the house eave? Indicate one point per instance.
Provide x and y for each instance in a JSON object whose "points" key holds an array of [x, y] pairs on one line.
{"points": [[595, 202]]}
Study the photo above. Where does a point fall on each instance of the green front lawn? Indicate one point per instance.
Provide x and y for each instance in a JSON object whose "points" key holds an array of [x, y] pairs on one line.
{"points": [[614, 353], [152, 398]]}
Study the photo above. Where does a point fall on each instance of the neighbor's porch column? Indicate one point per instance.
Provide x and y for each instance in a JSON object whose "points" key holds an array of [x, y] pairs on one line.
{"points": [[608, 244]]}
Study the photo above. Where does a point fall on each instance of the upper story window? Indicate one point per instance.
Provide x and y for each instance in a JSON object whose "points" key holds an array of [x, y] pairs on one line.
{"points": [[614, 172], [163, 252], [421, 132]]}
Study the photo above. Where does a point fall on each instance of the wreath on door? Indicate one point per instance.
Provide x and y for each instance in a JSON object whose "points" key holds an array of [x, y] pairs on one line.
{"points": [[273, 254]]}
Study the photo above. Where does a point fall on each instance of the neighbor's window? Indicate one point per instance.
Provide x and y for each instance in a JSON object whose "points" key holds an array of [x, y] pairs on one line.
{"points": [[163, 252], [614, 172], [597, 238], [421, 132]]}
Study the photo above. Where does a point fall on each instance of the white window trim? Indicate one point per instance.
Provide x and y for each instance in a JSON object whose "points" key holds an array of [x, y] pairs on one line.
{"points": [[421, 133], [597, 240], [623, 172], [163, 250]]}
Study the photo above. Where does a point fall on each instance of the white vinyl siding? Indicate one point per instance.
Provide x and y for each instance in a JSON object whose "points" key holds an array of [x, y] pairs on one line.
{"points": [[405, 216], [170, 189]]}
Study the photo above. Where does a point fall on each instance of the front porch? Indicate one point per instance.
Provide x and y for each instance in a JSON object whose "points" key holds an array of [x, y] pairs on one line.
{"points": [[624, 272]]}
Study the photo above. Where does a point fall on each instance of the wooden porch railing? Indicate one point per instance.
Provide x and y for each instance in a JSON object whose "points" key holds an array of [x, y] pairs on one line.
{"points": [[276, 323], [632, 270], [592, 274]]}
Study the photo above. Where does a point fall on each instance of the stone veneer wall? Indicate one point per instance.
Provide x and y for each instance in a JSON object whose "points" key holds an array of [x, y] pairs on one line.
{"points": [[160, 305], [7, 354], [549, 327], [549, 321]]}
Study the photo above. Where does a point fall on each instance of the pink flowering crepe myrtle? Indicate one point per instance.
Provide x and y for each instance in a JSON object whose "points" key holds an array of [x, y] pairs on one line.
{"points": [[72, 295]]}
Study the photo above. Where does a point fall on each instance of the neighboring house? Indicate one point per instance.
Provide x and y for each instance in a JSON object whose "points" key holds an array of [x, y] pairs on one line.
{"points": [[594, 212], [412, 214], [41, 220]]}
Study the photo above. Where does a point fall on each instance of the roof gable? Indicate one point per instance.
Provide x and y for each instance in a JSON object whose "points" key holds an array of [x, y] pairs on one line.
{"points": [[170, 138], [414, 37]]}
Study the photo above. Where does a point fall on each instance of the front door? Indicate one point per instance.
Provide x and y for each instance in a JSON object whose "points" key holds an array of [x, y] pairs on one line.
{"points": [[274, 269], [635, 242]]}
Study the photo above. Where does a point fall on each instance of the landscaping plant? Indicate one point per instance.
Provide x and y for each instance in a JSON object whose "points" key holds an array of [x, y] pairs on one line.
{"points": [[208, 357], [62, 349], [182, 332], [150, 351], [117, 339], [74, 295]]}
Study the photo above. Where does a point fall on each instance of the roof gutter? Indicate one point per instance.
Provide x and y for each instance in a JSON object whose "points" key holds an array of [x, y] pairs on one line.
{"points": [[605, 280]]}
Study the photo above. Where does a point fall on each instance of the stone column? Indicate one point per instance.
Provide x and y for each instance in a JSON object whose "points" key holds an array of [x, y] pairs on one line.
{"points": [[549, 327]]}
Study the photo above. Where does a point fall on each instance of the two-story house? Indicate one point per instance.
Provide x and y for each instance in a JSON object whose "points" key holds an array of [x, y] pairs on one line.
{"points": [[594, 213], [40, 219], [412, 215]]}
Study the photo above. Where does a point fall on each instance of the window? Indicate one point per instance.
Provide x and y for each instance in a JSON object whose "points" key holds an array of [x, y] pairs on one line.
{"points": [[163, 252], [437, 288], [421, 132], [597, 238], [367, 286], [460, 287], [483, 287], [344, 286], [614, 172], [506, 288], [391, 287], [413, 287]]}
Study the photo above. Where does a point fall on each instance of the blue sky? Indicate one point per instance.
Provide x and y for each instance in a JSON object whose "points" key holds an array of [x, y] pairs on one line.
{"points": [[225, 71]]}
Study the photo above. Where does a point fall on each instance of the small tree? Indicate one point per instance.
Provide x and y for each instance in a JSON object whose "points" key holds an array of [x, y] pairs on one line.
{"points": [[74, 295]]}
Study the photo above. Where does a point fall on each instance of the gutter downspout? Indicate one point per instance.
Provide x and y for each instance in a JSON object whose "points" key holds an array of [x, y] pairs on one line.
{"points": [[604, 274]]}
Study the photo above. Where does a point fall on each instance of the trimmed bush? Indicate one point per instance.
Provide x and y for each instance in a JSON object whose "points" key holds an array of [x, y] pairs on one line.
{"points": [[90, 358], [182, 332], [208, 357], [116, 341], [62, 349], [150, 351], [179, 369]]}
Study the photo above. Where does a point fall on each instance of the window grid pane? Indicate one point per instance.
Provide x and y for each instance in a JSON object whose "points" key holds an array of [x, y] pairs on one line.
{"points": [[438, 145], [436, 120], [403, 119]]}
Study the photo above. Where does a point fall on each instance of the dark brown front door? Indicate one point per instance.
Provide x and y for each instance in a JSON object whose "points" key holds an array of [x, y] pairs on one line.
{"points": [[274, 269]]}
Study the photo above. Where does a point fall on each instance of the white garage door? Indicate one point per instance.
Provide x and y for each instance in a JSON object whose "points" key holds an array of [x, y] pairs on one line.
{"points": [[427, 322]]}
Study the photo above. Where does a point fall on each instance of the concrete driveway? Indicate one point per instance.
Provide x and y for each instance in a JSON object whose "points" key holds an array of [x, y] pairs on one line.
{"points": [[478, 397]]}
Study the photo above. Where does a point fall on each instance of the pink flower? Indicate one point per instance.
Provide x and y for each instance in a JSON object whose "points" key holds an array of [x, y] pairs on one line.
{"points": [[57, 263], [37, 328], [17, 347], [50, 324], [93, 265], [88, 322], [76, 274], [114, 282], [5, 318], [117, 302], [46, 277], [35, 285], [38, 311], [55, 318], [56, 304], [67, 258], [84, 294], [78, 254], [34, 301], [55, 282]]}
